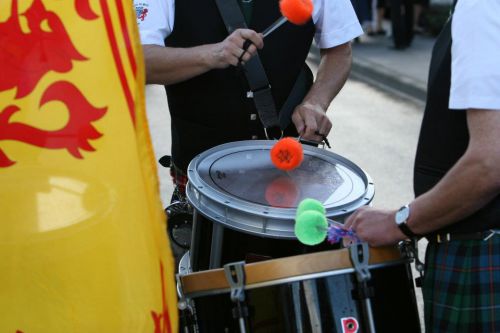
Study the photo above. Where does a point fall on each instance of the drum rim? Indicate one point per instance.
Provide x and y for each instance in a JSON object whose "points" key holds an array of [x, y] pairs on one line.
{"points": [[264, 273], [197, 187]]}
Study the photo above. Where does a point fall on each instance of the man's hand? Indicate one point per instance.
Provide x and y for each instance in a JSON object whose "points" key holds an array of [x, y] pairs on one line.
{"points": [[375, 226], [311, 122], [310, 117], [231, 50]]}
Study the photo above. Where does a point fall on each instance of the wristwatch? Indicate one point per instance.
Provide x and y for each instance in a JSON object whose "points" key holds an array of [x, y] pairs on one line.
{"points": [[401, 218]]}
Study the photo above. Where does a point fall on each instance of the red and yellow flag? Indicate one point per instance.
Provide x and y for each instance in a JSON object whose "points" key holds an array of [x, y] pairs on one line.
{"points": [[82, 230]]}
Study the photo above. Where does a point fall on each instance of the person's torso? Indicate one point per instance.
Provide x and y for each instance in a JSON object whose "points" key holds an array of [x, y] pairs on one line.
{"points": [[444, 138], [213, 108]]}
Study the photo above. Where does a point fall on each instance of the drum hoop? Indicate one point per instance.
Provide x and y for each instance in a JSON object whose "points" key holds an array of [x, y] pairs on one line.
{"points": [[284, 270], [222, 203]]}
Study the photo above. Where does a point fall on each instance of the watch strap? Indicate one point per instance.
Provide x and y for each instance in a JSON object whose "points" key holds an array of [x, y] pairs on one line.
{"points": [[406, 230]]}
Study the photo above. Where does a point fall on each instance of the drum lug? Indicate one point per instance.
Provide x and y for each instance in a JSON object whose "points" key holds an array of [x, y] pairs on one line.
{"points": [[360, 255], [235, 275]]}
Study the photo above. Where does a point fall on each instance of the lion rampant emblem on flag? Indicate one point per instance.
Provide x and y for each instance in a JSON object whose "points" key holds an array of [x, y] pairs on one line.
{"points": [[25, 57]]}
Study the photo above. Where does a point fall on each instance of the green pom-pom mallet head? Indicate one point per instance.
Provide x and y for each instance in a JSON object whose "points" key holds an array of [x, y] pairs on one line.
{"points": [[311, 227], [310, 204]]}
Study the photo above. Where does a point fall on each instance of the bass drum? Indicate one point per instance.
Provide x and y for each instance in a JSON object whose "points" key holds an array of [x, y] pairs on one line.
{"points": [[244, 207]]}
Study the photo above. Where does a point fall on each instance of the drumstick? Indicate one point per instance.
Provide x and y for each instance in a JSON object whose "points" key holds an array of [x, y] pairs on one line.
{"points": [[313, 227], [287, 154], [278, 23], [297, 12]]}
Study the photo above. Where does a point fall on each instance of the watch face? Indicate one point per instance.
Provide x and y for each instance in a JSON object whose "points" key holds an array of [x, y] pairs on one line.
{"points": [[402, 214]]}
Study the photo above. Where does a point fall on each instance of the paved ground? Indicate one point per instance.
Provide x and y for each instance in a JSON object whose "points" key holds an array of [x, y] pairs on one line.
{"points": [[398, 71]]}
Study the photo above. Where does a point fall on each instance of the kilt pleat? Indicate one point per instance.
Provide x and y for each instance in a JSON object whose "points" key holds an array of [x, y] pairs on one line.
{"points": [[461, 286]]}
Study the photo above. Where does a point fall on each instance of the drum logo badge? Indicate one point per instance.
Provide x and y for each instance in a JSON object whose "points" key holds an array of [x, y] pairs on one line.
{"points": [[25, 58], [349, 325]]}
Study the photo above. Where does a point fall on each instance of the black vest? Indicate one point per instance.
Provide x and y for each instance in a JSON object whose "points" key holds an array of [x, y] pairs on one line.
{"points": [[212, 108], [444, 138]]}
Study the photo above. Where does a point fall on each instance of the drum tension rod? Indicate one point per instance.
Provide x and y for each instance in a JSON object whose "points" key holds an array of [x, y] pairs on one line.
{"points": [[235, 275], [360, 255]]}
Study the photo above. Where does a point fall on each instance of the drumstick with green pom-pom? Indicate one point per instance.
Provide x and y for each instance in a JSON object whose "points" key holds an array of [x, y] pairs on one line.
{"points": [[310, 204], [312, 226]]}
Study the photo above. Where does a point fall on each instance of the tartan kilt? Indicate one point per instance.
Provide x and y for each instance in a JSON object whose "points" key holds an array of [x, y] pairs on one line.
{"points": [[461, 286]]}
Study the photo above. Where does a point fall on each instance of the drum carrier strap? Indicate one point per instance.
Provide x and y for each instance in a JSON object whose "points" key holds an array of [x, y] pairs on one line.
{"points": [[360, 255], [235, 275], [260, 89]]}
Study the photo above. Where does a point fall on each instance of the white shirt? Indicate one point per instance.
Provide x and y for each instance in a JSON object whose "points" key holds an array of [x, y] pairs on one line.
{"points": [[475, 53], [335, 20]]}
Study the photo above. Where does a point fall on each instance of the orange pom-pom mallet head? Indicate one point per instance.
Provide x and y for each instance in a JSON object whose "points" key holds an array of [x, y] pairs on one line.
{"points": [[296, 11], [287, 154]]}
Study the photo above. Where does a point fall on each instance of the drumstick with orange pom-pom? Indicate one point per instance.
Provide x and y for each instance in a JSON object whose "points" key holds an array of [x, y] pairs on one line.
{"points": [[296, 11], [287, 154]]}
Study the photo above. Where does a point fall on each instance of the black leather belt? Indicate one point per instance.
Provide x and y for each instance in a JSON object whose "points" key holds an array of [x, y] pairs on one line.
{"points": [[477, 235]]}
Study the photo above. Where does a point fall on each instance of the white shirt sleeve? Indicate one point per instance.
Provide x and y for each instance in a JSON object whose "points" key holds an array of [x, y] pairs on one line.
{"points": [[336, 23], [475, 52], [155, 19]]}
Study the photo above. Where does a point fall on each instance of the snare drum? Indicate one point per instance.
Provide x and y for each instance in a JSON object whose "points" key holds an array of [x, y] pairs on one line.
{"points": [[307, 293], [244, 207]]}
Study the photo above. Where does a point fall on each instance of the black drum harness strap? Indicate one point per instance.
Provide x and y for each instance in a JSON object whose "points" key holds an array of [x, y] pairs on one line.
{"points": [[260, 89]]}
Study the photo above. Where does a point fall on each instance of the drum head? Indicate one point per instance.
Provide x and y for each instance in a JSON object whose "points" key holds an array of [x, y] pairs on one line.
{"points": [[237, 185]]}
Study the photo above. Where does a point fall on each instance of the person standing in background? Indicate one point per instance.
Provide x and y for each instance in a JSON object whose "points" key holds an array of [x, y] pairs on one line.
{"points": [[402, 22]]}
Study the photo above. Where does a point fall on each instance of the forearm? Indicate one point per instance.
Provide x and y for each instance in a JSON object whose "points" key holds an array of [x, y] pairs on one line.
{"points": [[167, 65], [309, 117], [332, 74], [467, 187], [472, 182]]}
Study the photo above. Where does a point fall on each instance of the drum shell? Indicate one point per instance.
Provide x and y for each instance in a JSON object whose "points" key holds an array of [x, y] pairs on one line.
{"points": [[282, 305], [209, 251]]}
